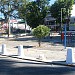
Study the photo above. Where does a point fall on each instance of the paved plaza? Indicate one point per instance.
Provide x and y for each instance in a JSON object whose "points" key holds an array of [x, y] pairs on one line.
{"points": [[51, 48]]}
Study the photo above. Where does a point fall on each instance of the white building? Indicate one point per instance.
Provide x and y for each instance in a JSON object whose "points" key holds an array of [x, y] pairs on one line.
{"points": [[18, 24], [72, 19]]}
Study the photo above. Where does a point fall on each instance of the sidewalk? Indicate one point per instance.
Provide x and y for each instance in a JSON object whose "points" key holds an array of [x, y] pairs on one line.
{"points": [[51, 51], [54, 62]]}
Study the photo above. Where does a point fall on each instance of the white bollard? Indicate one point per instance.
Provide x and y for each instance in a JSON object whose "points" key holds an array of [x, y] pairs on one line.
{"points": [[20, 51], [70, 56], [4, 50]]}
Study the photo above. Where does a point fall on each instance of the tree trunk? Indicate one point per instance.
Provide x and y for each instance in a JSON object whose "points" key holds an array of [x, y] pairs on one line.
{"points": [[25, 25], [39, 42]]}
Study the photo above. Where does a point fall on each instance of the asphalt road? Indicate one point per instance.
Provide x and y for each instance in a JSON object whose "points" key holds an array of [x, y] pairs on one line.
{"points": [[14, 66]]}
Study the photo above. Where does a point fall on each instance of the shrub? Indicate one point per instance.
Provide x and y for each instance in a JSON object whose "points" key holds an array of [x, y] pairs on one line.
{"points": [[40, 32]]}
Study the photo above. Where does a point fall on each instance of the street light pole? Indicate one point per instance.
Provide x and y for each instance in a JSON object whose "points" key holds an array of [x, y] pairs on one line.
{"points": [[65, 37], [68, 19], [61, 22], [61, 17], [24, 4]]}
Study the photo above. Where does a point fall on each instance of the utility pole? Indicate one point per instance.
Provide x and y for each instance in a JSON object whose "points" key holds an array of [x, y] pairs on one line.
{"points": [[8, 18], [25, 17]]}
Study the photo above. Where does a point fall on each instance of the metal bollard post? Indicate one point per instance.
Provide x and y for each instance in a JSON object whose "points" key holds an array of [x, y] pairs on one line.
{"points": [[20, 51], [4, 51], [70, 56]]}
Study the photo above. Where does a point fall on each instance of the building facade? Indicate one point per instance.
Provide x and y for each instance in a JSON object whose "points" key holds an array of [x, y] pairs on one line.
{"points": [[50, 22]]}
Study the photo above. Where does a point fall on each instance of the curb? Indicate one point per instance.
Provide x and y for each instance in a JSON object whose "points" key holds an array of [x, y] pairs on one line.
{"points": [[51, 62]]}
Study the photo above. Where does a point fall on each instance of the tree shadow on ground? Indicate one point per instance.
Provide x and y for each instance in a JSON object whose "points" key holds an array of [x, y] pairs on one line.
{"points": [[54, 40], [34, 39], [26, 46], [25, 39]]}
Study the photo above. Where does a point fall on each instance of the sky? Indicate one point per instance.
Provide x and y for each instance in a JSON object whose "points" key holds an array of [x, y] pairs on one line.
{"points": [[52, 1], [1, 15]]}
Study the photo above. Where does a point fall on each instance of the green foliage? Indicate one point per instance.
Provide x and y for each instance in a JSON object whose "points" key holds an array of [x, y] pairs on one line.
{"points": [[7, 7], [56, 9], [40, 32], [34, 12], [43, 3]]}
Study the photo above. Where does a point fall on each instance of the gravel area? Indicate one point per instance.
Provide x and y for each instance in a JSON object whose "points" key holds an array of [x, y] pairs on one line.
{"points": [[49, 49]]}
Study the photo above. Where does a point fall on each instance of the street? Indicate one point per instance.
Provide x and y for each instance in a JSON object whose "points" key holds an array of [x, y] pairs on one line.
{"points": [[14, 66]]}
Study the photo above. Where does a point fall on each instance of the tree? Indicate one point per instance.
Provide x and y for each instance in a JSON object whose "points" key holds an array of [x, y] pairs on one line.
{"points": [[56, 9], [22, 9], [40, 32], [8, 7], [56, 12], [33, 15], [35, 12]]}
